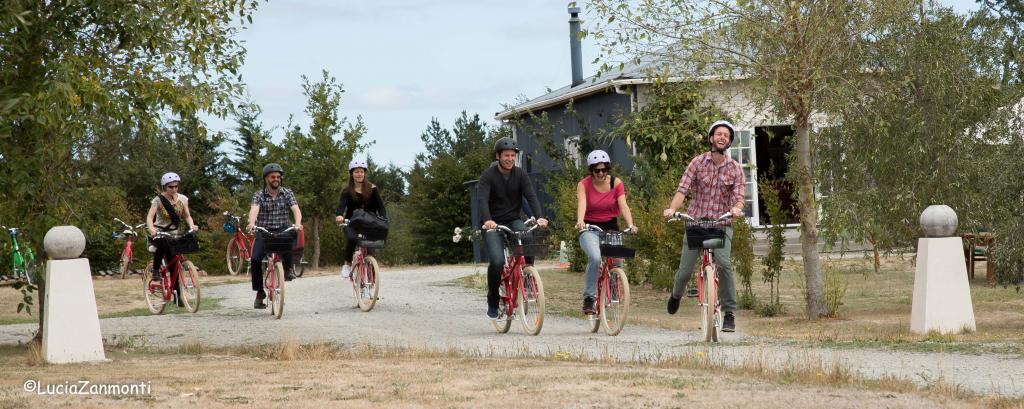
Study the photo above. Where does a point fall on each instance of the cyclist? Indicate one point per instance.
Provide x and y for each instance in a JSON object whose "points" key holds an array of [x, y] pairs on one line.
{"points": [[501, 190], [360, 194], [715, 184], [600, 198], [166, 211], [269, 210]]}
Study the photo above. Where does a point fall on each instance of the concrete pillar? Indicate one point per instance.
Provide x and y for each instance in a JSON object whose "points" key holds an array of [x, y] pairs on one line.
{"points": [[71, 324], [942, 294]]}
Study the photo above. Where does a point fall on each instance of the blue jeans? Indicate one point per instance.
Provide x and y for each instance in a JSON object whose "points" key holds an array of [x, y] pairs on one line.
{"points": [[495, 246], [256, 262], [590, 243], [721, 258]]}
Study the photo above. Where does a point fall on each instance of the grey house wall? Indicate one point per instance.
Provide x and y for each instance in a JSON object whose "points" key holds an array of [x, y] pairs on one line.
{"points": [[596, 112]]}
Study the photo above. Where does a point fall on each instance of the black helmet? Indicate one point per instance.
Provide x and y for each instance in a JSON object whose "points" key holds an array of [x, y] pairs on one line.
{"points": [[271, 168], [505, 144]]}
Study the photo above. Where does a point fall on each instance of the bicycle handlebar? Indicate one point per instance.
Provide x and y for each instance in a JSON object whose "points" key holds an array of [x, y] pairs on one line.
{"points": [[591, 227], [290, 228], [164, 234], [531, 222], [683, 216]]}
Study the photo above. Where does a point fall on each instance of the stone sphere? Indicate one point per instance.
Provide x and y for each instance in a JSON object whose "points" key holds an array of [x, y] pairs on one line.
{"points": [[938, 221], [64, 242]]}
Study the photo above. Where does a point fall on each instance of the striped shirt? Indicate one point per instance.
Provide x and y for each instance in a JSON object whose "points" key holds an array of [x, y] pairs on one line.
{"points": [[273, 210], [714, 189]]}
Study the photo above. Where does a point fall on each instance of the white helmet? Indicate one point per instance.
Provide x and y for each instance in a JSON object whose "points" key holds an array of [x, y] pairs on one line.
{"points": [[358, 163], [598, 156], [732, 130], [168, 178]]}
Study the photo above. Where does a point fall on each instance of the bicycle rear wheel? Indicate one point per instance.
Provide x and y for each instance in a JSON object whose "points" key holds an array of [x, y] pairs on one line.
{"points": [[531, 301], [708, 313], [153, 290], [276, 290], [234, 257], [188, 286], [368, 284], [614, 301]]}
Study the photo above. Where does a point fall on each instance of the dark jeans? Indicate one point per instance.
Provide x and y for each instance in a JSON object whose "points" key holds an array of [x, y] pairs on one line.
{"points": [[256, 263], [163, 252], [495, 247]]}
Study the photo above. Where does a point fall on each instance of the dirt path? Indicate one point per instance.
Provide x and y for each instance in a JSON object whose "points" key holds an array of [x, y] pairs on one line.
{"points": [[420, 309]]}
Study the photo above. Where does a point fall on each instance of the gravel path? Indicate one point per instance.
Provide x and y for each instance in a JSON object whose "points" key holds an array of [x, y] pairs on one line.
{"points": [[410, 314]]}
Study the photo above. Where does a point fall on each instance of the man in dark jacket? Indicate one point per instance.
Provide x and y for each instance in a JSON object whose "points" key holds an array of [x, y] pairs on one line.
{"points": [[501, 191]]}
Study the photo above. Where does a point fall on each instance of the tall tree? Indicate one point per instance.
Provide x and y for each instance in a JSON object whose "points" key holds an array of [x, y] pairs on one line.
{"points": [[315, 161], [801, 57], [250, 144], [390, 181]]}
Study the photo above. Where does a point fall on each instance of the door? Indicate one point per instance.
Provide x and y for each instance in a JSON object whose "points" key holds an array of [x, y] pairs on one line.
{"points": [[743, 150]]}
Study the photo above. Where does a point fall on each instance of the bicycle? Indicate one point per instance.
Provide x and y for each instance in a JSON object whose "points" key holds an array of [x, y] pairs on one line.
{"points": [[239, 249], [365, 278], [177, 282], [273, 278], [521, 289], [706, 235], [612, 283], [22, 266], [129, 235]]}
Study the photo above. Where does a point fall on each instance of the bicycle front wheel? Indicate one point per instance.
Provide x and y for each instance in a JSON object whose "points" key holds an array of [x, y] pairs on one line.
{"points": [[276, 293], [154, 290], [234, 257], [368, 284], [531, 301], [708, 313], [614, 301], [188, 286]]}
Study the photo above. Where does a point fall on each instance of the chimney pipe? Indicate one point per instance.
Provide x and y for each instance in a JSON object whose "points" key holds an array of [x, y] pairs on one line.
{"points": [[574, 46]]}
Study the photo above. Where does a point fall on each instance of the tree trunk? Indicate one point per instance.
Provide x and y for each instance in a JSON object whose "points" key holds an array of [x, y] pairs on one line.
{"points": [[809, 220], [316, 243]]}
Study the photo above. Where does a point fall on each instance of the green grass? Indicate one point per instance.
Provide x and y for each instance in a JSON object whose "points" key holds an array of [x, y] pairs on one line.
{"points": [[206, 304]]}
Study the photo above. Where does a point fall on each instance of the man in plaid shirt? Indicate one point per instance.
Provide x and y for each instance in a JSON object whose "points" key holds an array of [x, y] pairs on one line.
{"points": [[269, 210], [715, 184]]}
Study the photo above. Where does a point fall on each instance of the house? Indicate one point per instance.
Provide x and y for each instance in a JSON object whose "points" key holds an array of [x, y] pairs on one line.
{"points": [[600, 102]]}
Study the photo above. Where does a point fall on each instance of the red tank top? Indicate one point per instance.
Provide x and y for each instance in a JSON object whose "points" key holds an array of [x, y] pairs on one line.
{"points": [[602, 207]]}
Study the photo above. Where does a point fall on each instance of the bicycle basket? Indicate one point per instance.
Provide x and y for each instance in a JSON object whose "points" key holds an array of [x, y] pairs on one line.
{"points": [[698, 232], [278, 242], [372, 244], [230, 227], [184, 245], [535, 243], [617, 244]]}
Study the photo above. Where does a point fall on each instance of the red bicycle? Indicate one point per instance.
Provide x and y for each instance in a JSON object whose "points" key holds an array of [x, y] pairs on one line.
{"points": [[521, 291], [273, 278], [365, 278], [129, 234], [240, 247], [612, 283], [177, 282], [706, 235]]}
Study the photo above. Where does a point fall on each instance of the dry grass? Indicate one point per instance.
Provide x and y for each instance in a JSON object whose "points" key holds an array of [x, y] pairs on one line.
{"points": [[875, 311], [327, 375]]}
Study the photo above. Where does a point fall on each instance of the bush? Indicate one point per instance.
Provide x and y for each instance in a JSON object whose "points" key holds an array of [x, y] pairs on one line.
{"points": [[772, 271], [743, 260], [835, 289]]}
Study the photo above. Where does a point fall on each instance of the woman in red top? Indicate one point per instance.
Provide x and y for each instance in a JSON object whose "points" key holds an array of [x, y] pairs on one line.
{"points": [[600, 198]]}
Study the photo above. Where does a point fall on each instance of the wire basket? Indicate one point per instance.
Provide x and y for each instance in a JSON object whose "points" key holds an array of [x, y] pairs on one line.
{"points": [[618, 244], [534, 243], [184, 244], [701, 230], [281, 242]]}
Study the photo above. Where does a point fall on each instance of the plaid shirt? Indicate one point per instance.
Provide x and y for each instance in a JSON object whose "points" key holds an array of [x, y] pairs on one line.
{"points": [[714, 188], [273, 211]]}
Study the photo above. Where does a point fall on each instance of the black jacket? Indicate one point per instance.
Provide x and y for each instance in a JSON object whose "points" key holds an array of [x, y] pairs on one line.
{"points": [[348, 203], [503, 201]]}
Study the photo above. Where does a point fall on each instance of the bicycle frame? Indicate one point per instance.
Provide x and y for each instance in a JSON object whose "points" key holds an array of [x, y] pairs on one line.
{"points": [[19, 262], [707, 262], [245, 241], [129, 234], [169, 275]]}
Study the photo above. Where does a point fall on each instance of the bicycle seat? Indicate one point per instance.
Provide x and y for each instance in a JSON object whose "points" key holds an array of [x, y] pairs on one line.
{"points": [[715, 243]]}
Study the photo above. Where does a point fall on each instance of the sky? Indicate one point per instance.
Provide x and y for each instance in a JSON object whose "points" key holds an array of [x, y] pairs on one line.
{"points": [[403, 62]]}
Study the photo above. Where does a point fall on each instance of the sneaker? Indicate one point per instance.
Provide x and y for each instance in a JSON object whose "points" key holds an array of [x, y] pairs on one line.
{"points": [[588, 306], [492, 313], [673, 304], [346, 271], [259, 304], [729, 323]]}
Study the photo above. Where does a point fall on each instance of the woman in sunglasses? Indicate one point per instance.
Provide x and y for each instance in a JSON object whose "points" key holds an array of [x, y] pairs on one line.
{"points": [[600, 198]]}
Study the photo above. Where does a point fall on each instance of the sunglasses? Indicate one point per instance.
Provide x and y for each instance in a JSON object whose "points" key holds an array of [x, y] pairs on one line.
{"points": [[172, 186], [600, 170]]}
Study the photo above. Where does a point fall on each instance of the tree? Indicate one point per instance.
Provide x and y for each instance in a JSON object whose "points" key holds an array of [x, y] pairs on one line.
{"points": [[801, 58], [250, 145], [438, 197], [315, 162], [390, 181], [72, 70]]}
